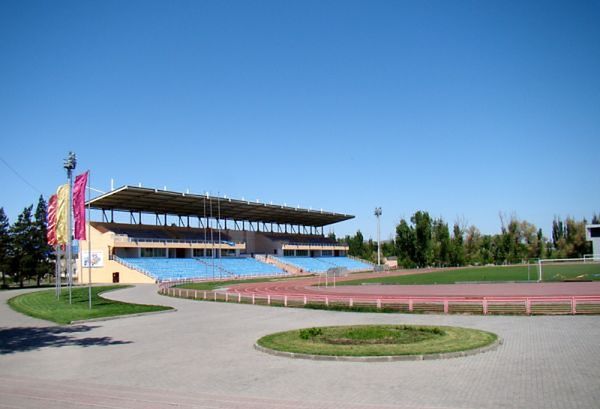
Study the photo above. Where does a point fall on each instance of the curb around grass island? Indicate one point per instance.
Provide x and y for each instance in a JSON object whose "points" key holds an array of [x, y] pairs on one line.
{"points": [[389, 358]]}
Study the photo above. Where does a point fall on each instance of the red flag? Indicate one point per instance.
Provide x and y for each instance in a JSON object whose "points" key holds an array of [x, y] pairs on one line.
{"points": [[51, 219], [79, 205]]}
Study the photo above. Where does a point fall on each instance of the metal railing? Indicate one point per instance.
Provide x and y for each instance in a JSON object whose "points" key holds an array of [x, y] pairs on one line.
{"points": [[318, 245], [127, 239], [132, 266], [442, 305]]}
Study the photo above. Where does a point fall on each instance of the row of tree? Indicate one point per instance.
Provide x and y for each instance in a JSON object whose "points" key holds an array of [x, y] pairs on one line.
{"points": [[24, 253], [425, 241]]}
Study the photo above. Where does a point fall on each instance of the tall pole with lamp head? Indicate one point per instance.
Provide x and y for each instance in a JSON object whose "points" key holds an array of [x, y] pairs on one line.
{"points": [[69, 164], [378, 215]]}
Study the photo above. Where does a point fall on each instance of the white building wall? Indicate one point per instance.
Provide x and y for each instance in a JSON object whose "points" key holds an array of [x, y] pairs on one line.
{"points": [[592, 230]]}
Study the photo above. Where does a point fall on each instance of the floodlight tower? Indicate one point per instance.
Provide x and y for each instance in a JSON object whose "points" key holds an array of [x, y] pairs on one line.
{"points": [[70, 164], [378, 215]]}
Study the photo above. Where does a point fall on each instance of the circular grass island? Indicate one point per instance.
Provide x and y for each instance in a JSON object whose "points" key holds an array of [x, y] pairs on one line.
{"points": [[378, 342]]}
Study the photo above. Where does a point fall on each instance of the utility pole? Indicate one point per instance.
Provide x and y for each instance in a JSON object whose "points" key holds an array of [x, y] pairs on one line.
{"points": [[378, 215], [69, 164]]}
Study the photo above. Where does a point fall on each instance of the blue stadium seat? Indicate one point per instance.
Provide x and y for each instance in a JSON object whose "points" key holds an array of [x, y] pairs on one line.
{"points": [[168, 269], [308, 264], [346, 262], [322, 264]]}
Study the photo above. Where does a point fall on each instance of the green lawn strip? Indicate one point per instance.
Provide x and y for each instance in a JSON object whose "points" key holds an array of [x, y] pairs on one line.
{"points": [[44, 305], [453, 339], [589, 271]]}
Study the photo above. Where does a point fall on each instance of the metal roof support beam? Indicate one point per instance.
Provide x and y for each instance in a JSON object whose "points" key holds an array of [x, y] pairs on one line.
{"points": [[152, 201], [132, 218], [104, 216]]}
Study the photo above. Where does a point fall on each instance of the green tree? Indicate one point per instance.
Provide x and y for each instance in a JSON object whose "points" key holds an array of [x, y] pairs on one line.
{"points": [[423, 242], [43, 252], [388, 248], [559, 241], [576, 244], [23, 247], [441, 243], [457, 253], [487, 250], [405, 244], [5, 246], [473, 243]]}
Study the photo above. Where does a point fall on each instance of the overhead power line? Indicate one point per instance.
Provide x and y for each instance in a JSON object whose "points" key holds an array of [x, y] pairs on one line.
{"points": [[20, 177]]}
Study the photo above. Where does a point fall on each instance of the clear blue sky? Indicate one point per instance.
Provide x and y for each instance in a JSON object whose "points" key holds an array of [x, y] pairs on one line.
{"points": [[464, 109]]}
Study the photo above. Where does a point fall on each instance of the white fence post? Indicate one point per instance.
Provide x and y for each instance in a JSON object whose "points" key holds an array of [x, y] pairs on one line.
{"points": [[573, 306], [285, 300], [484, 305], [410, 305], [269, 299], [528, 306], [445, 306], [378, 304], [253, 300], [351, 303], [304, 300], [239, 297]]}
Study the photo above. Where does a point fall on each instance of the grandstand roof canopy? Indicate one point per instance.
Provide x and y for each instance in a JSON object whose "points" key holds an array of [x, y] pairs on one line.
{"points": [[147, 200]]}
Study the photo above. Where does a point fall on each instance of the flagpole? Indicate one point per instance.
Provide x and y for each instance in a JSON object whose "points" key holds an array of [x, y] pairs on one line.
{"points": [[89, 240], [57, 270], [212, 240], [219, 226]]}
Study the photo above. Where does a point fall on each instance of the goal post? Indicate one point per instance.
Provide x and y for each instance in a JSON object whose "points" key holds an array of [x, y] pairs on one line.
{"points": [[569, 269]]}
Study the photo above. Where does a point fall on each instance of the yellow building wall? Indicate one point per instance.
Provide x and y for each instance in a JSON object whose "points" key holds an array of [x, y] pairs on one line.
{"points": [[103, 242]]}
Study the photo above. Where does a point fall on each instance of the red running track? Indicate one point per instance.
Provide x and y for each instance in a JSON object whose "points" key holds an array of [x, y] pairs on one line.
{"points": [[305, 287]]}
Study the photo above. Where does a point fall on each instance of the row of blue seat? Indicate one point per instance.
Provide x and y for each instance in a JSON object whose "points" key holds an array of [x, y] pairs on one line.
{"points": [[321, 264], [168, 269]]}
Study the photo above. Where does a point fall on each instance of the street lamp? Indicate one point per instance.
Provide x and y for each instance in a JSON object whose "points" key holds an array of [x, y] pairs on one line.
{"points": [[378, 215], [69, 164]]}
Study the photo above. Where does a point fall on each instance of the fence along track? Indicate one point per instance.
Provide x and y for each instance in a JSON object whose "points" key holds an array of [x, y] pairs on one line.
{"points": [[439, 305]]}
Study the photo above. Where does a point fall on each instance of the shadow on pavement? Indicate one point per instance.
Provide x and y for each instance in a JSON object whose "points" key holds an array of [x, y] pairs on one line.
{"points": [[21, 339]]}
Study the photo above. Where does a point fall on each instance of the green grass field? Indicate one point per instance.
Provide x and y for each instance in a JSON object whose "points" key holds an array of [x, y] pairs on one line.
{"points": [[44, 305], [377, 340], [551, 272]]}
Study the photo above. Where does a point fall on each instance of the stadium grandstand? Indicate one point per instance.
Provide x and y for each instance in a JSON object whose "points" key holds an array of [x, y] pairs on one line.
{"points": [[202, 237]]}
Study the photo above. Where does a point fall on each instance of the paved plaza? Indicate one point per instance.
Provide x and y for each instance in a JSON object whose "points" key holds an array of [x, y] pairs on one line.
{"points": [[202, 356]]}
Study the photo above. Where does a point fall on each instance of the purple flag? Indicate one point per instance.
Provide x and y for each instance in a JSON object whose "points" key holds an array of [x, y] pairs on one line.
{"points": [[51, 219], [79, 205]]}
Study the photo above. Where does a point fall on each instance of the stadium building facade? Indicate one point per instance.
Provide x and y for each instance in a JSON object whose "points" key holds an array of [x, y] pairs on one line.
{"points": [[205, 237]]}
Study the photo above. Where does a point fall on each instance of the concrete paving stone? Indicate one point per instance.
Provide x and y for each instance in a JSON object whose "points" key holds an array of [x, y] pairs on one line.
{"points": [[203, 356]]}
